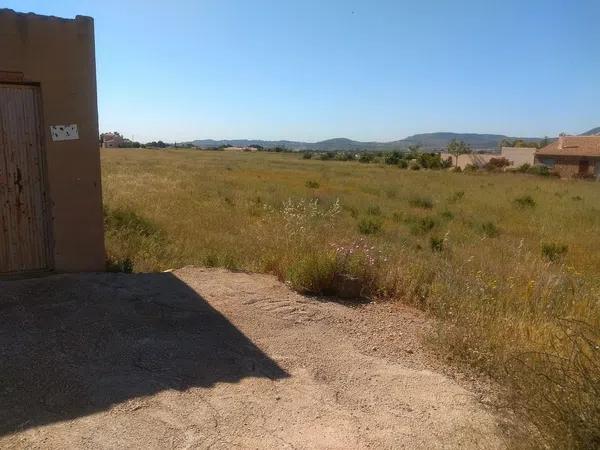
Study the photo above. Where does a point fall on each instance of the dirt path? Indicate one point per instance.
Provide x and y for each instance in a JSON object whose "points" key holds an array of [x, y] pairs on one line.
{"points": [[213, 359]]}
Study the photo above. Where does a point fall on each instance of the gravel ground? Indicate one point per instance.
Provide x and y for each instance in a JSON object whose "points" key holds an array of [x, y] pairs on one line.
{"points": [[206, 358]]}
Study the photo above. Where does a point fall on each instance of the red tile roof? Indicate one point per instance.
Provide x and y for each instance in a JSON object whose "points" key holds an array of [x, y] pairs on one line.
{"points": [[573, 146]]}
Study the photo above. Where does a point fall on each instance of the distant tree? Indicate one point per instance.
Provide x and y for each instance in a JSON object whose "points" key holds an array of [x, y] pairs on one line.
{"points": [[457, 148]]}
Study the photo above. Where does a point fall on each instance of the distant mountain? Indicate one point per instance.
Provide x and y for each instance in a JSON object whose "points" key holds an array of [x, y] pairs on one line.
{"points": [[428, 141], [592, 132]]}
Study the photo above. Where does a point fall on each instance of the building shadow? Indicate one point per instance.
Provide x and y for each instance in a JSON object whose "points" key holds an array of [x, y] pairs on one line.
{"points": [[72, 345]]}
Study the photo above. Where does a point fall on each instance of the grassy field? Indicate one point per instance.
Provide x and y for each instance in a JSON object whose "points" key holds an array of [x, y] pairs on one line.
{"points": [[509, 262]]}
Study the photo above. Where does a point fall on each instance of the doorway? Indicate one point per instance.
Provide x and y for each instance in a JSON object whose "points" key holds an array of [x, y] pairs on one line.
{"points": [[25, 237]]}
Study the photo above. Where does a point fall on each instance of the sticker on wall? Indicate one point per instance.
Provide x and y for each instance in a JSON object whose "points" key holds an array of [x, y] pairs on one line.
{"points": [[64, 132]]}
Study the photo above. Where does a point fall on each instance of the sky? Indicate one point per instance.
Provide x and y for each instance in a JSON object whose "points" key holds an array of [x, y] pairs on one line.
{"points": [[310, 70]]}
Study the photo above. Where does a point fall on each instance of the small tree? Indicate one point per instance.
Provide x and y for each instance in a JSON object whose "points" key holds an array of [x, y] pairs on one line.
{"points": [[457, 148]]}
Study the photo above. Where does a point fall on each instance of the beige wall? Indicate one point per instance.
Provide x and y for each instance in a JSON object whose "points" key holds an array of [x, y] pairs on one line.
{"points": [[59, 55], [475, 159], [519, 155]]}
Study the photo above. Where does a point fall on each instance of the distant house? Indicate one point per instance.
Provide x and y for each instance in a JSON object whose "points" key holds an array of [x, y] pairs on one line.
{"points": [[572, 156], [112, 140]]}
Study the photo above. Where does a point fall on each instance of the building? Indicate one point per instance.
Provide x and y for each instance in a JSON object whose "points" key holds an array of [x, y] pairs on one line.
{"points": [[112, 140], [572, 156], [50, 190]]}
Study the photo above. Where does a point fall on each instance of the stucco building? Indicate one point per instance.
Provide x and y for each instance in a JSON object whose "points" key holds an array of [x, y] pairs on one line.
{"points": [[50, 189], [572, 156]]}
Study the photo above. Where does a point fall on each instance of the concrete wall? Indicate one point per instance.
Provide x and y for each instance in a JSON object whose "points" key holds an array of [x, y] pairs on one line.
{"points": [[59, 55], [519, 155]]}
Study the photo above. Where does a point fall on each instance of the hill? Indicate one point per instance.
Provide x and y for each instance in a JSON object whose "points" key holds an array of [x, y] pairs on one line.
{"points": [[428, 141], [592, 132]]}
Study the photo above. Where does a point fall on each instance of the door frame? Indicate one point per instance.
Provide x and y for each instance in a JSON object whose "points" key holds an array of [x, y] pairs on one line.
{"points": [[47, 216]]}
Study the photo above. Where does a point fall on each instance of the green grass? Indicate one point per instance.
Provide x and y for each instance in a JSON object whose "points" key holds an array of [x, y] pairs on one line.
{"points": [[484, 252]]}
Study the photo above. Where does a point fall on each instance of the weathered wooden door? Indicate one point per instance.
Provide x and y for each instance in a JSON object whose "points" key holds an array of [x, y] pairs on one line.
{"points": [[25, 241]]}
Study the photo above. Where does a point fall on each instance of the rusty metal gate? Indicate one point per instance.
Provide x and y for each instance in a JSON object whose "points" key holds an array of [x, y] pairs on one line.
{"points": [[25, 241]]}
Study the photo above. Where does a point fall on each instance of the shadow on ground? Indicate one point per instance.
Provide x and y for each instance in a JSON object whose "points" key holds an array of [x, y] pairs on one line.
{"points": [[71, 345]]}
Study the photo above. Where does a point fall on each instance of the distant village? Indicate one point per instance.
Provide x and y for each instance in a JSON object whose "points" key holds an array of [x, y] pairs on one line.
{"points": [[565, 157]]}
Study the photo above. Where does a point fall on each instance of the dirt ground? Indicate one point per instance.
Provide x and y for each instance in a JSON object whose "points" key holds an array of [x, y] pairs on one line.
{"points": [[201, 358]]}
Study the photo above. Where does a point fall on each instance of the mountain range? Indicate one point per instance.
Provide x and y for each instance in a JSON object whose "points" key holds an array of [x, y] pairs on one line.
{"points": [[428, 141]]}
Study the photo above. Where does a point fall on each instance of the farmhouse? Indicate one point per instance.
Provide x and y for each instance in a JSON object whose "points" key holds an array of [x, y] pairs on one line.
{"points": [[112, 140], [50, 191], [572, 156]]}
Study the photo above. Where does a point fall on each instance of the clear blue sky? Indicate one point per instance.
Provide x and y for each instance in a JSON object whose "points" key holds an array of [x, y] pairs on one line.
{"points": [[363, 69]]}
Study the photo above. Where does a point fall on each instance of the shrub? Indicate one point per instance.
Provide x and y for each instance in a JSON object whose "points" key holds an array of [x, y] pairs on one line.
{"points": [[307, 155], [369, 226], [366, 158], [393, 158], [421, 202], [553, 251], [497, 163], [414, 165], [403, 164], [471, 168], [311, 184], [525, 201], [539, 170]]}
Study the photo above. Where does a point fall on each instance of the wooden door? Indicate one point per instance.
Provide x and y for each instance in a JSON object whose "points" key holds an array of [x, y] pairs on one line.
{"points": [[25, 241]]}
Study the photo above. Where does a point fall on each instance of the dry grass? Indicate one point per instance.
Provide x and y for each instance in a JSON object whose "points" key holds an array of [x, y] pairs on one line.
{"points": [[471, 248]]}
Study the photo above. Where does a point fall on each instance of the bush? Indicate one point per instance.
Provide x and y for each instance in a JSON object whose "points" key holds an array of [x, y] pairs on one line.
{"points": [[307, 155], [497, 163], [403, 164], [393, 158], [414, 165], [311, 184], [526, 201], [369, 226], [539, 170], [553, 251], [421, 202], [471, 168], [366, 158]]}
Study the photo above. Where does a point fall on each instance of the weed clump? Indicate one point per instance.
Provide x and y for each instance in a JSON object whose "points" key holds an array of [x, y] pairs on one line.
{"points": [[489, 229], [422, 225], [525, 201], [553, 252], [436, 243], [369, 226], [374, 210], [311, 184], [421, 202]]}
